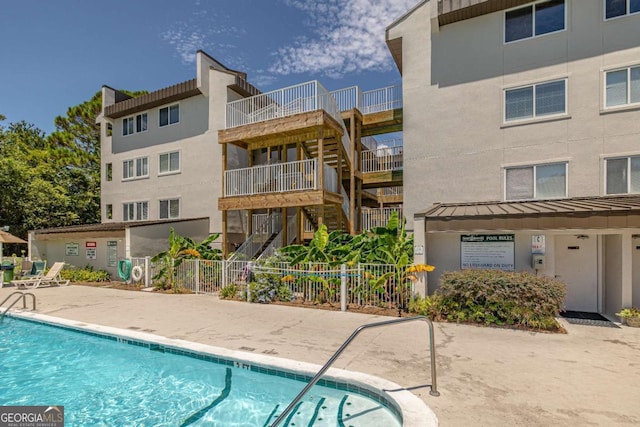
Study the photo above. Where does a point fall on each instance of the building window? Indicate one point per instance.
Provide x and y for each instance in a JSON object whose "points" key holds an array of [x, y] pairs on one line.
{"points": [[615, 8], [108, 172], [623, 175], [135, 168], [622, 86], [169, 208], [539, 100], [136, 211], [170, 162], [109, 129], [109, 211], [169, 115], [535, 20], [139, 124], [536, 182]]}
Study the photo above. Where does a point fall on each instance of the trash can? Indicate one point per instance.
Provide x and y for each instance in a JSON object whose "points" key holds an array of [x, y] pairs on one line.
{"points": [[7, 271]]}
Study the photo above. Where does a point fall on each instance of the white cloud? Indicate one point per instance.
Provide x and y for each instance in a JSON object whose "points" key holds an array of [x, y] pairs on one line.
{"points": [[185, 42], [348, 36], [203, 29]]}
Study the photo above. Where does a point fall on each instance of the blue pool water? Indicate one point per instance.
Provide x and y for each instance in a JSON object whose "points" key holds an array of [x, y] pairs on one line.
{"points": [[110, 382]]}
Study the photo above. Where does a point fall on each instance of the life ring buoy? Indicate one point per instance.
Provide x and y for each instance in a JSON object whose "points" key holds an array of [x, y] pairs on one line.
{"points": [[136, 273]]}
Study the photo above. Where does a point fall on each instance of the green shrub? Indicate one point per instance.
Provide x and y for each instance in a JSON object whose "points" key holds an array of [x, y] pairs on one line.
{"points": [[86, 274], [501, 298], [230, 291], [268, 288]]}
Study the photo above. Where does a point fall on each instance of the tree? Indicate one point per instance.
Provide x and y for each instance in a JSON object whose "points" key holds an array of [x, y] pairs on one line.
{"points": [[181, 248], [75, 147]]}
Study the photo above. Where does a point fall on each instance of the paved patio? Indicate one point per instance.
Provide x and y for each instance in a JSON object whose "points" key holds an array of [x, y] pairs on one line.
{"points": [[486, 376]]}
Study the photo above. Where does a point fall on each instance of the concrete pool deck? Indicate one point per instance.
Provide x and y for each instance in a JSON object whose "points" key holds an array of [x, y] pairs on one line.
{"points": [[486, 376]]}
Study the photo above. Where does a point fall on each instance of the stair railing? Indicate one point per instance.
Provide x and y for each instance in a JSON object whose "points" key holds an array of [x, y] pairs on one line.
{"points": [[434, 387]]}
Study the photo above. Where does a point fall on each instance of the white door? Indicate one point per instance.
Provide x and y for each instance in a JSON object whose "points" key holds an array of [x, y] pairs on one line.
{"points": [[576, 262]]}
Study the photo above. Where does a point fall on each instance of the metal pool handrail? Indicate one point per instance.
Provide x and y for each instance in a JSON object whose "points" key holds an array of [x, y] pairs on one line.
{"points": [[434, 386], [24, 302]]}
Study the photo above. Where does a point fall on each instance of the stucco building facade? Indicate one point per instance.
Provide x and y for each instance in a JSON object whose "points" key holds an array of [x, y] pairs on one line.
{"points": [[522, 119]]}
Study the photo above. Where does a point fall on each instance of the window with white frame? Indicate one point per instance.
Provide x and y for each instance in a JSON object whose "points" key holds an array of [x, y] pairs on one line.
{"points": [[616, 8], [109, 211], [623, 175], [533, 101], [169, 162], [622, 87], [546, 181], [534, 20], [169, 208], [132, 124], [169, 115], [135, 168], [135, 211]]}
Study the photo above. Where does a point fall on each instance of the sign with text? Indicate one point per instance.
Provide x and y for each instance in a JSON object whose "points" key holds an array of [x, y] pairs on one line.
{"points": [[31, 416], [538, 244], [91, 245], [72, 249], [92, 253], [487, 251], [112, 253]]}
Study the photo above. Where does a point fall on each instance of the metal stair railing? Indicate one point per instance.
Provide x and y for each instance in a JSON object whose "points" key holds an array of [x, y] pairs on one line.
{"points": [[434, 386], [23, 296]]}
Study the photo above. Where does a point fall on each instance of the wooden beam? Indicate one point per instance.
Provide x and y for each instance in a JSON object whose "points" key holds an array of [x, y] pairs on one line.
{"points": [[355, 165], [320, 158], [382, 179], [298, 127], [224, 213], [279, 200]]}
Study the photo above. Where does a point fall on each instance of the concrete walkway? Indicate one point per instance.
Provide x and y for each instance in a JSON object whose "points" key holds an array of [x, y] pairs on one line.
{"points": [[486, 376]]}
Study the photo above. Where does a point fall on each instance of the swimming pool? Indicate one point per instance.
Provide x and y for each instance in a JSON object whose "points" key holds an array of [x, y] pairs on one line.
{"points": [[111, 379]]}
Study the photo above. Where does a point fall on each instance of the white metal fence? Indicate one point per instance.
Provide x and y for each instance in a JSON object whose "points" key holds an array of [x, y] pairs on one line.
{"points": [[301, 98], [279, 178], [372, 217], [382, 159], [371, 101], [365, 284]]}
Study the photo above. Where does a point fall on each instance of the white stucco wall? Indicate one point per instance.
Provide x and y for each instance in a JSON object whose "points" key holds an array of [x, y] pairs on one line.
{"points": [[456, 143]]}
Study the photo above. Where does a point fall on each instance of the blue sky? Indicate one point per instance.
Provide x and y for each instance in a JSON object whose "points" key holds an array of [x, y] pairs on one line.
{"points": [[58, 53]]}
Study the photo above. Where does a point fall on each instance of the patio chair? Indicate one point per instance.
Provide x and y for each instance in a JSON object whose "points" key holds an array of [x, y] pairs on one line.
{"points": [[32, 269], [52, 278]]}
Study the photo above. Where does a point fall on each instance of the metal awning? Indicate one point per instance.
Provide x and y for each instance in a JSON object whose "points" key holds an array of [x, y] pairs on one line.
{"points": [[575, 213]]}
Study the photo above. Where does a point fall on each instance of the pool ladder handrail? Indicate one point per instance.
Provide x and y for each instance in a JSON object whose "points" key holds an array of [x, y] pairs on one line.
{"points": [[434, 386], [23, 295]]}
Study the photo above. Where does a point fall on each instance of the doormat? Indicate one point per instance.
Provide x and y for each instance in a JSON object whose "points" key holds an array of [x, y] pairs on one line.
{"points": [[585, 318]]}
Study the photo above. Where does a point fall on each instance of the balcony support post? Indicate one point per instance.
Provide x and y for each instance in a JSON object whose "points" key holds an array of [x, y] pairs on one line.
{"points": [[320, 171], [224, 213], [355, 162]]}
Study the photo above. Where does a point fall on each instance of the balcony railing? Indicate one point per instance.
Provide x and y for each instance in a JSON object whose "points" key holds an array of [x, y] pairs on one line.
{"points": [[278, 178], [382, 159], [378, 217], [301, 98], [371, 101]]}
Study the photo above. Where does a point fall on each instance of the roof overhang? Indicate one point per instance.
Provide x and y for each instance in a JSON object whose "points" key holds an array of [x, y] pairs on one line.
{"points": [[154, 99], [607, 212], [450, 11]]}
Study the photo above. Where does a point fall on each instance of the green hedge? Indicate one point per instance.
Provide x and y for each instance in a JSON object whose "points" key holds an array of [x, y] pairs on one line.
{"points": [[496, 297], [87, 274]]}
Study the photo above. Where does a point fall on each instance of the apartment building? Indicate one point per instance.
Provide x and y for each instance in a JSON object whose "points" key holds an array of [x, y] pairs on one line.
{"points": [[215, 155], [160, 156], [522, 140]]}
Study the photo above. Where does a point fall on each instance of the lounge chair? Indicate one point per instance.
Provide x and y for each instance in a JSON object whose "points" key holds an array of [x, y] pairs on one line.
{"points": [[52, 278], [32, 269]]}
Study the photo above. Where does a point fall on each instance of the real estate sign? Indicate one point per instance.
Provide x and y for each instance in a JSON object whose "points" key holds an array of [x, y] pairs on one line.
{"points": [[487, 251]]}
